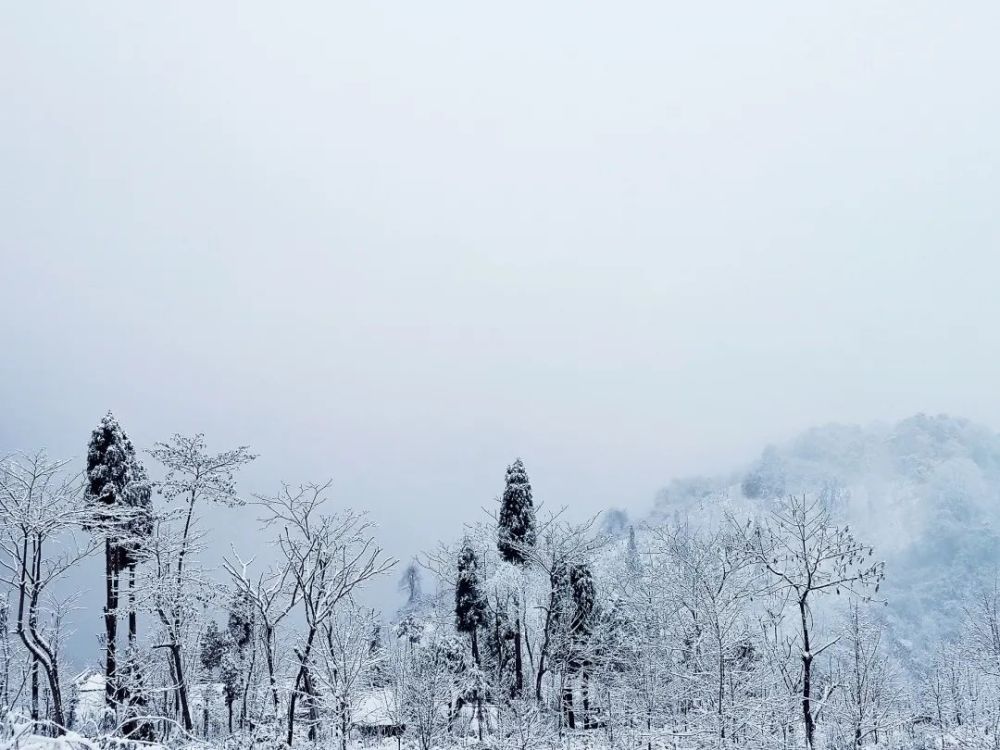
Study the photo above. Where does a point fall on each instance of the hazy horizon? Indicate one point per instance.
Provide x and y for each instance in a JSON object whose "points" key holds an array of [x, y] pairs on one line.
{"points": [[398, 248]]}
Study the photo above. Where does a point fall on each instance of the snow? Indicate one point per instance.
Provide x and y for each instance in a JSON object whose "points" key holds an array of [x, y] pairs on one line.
{"points": [[374, 708], [69, 741], [89, 699]]}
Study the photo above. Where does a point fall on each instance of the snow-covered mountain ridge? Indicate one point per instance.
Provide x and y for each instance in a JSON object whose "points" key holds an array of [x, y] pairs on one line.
{"points": [[924, 491]]}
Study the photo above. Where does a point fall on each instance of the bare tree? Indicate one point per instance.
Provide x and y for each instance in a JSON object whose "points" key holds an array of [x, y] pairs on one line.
{"points": [[347, 659], [5, 655], [714, 581], [807, 555], [193, 476], [868, 696], [273, 594], [40, 508], [329, 557], [563, 547]]}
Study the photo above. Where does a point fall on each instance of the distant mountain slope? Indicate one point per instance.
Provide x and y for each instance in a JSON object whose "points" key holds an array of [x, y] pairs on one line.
{"points": [[925, 492]]}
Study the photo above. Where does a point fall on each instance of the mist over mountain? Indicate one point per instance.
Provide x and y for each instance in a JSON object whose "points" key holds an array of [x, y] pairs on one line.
{"points": [[925, 492]]}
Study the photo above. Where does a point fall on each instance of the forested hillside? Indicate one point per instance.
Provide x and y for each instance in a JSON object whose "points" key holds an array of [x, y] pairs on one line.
{"points": [[837, 594], [925, 492]]}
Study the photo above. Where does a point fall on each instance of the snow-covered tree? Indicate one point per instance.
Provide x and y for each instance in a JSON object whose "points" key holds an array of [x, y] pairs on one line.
{"points": [[470, 612], [270, 597], [516, 532], [470, 603], [118, 490], [807, 556], [329, 557], [40, 508], [215, 643], [193, 477], [516, 537], [411, 584], [868, 700]]}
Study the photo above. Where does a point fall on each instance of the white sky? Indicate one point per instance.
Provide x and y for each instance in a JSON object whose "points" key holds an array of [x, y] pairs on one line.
{"points": [[401, 243]]}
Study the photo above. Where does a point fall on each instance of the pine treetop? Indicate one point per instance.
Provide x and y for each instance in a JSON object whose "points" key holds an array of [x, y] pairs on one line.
{"points": [[470, 605], [516, 525], [118, 488]]}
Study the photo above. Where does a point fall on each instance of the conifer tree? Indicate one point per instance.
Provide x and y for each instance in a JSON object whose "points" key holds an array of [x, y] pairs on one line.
{"points": [[119, 494], [411, 584], [470, 604], [516, 532], [516, 535], [236, 667], [585, 601], [214, 645], [574, 616], [470, 612]]}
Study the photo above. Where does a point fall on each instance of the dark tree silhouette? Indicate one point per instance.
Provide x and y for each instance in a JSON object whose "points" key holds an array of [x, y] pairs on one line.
{"points": [[118, 491]]}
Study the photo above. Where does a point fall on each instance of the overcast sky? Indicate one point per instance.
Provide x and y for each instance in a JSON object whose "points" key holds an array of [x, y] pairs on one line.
{"points": [[399, 244]]}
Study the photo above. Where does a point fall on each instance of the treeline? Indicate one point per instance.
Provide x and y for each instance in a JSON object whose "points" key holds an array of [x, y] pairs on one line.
{"points": [[763, 629]]}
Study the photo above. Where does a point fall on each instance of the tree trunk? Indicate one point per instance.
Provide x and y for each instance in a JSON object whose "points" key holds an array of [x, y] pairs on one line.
{"points": [[43, 656], [182, 693], [567, 704], [479, 693], [807, 658], [300, 681], [247, 681], [133, 625], [722, 690], [343, 723], [269, 652], [546, 638], [34, 692], [518, 662], [55, 692], [111, 625], [311, 694]]}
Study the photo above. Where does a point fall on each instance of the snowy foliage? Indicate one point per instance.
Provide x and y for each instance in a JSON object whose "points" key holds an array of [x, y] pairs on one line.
{"points": [[517, 516], [470, 604], [118, 490], [752, 611]]}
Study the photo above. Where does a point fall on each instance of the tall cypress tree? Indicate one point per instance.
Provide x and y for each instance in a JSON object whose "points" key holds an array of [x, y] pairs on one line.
{"points": [[470, 604], [581, 580], [470, 611], [118, 490], [516, 532], [214, 644], [577, 616], [516, 535]]}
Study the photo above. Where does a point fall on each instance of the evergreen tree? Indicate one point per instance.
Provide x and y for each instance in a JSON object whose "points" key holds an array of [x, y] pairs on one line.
{"points": [[584, 600], [632, 559], [231, 675], [470, 615], [582, 595], [411, 584], [214, 645], [118, 492], [241, 620], [137, 527], [241, 627], [516, 535], [470, 604], [516, 531]]}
